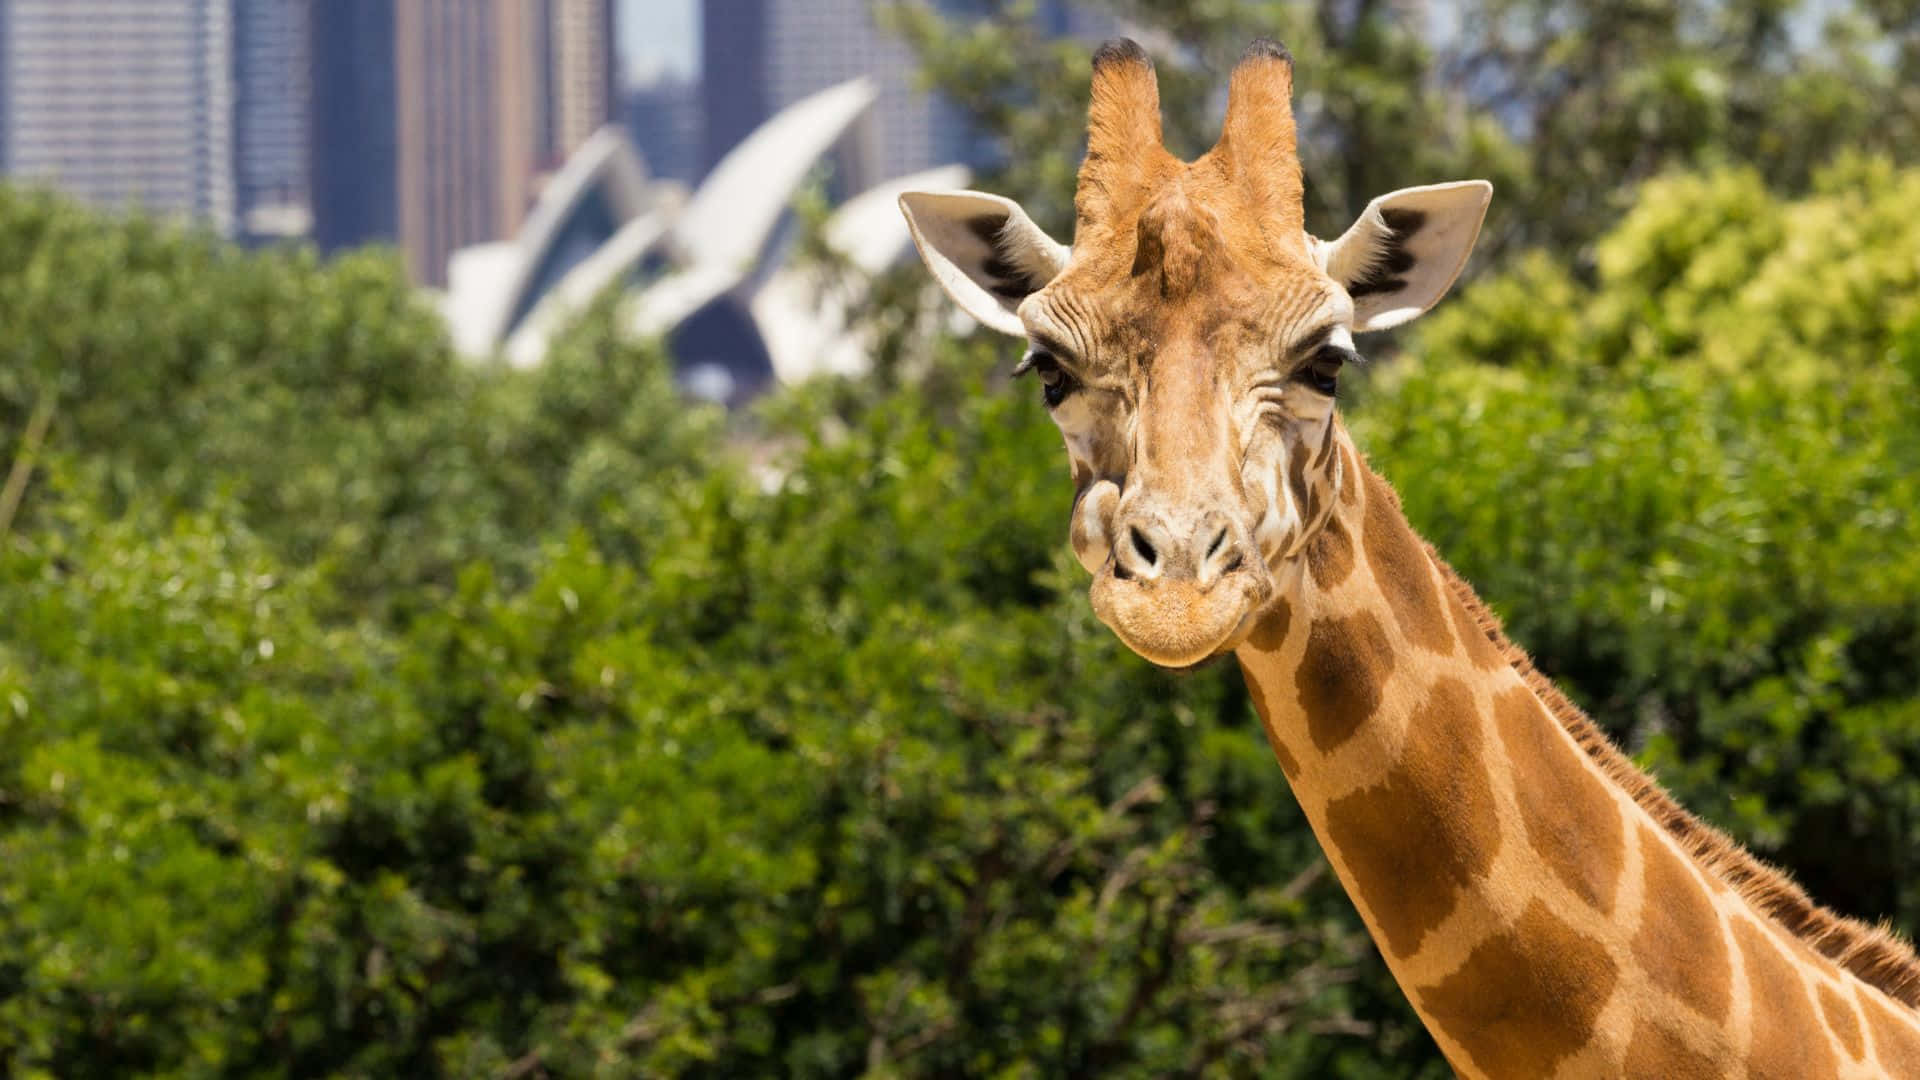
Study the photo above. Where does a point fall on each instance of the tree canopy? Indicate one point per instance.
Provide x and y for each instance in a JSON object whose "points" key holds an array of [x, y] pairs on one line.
{"points": [[560, 740], [1566, 105], [367, 713]]}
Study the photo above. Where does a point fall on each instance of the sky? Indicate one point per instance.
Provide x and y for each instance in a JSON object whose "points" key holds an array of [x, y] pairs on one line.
{"points": [[658, 36]]}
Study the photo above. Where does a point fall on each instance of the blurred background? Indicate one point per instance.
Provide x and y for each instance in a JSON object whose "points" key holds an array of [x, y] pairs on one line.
{"points": [[507, 569]]}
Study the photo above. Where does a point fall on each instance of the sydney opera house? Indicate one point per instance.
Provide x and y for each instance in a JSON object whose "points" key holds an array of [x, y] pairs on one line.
{"points": [[706, 270]]}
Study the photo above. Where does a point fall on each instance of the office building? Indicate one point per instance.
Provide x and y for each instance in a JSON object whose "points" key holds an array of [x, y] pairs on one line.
{"points": [[122, 103], [758, 56], [3, 89], [353, 155], [271, 118], [664, 119], [435, 121], [583, 72], [450, 178], [734, 99]]}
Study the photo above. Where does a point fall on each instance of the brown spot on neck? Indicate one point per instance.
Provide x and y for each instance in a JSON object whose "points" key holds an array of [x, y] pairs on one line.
{"points": [[1896, 1037], [1480, 647], [1843, 1020], [1680, 944], [1428, 830], [1330, 555], [1789, 1042], [1402, 570], [1342, 676], [1271, 631], [1268, 636], [1353, 477], [1571, 818], [1525, 998], [1656, 1053]]}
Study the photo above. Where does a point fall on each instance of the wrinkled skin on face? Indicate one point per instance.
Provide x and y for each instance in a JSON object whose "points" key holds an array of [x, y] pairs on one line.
{"points": [[1189, 345], [1199, 424]]}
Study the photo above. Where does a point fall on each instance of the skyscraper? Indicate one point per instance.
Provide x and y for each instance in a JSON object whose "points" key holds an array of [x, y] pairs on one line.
{"points": [[582, 70], [822, 42], [445, 66], [122, 103], [435, 120], [3, 89], [427, 122], [733, 73], [664, 117], [353, 152], [758, 56], [270, 119], [554, 88]]}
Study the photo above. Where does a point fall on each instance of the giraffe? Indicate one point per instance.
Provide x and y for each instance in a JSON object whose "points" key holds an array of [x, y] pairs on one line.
{"points": [[1547, 909]]}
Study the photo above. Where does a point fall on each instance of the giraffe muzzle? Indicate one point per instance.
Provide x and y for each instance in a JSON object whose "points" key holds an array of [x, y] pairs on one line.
{"points": [[1177, 619]]}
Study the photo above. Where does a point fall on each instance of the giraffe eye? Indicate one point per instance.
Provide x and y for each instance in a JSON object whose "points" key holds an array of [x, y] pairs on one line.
{"points": [[1323, 371], [1055, 383]]}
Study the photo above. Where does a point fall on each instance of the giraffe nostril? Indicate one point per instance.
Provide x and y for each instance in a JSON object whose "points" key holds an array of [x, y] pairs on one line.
{"points": [[1141, 545], [1218, 539]]}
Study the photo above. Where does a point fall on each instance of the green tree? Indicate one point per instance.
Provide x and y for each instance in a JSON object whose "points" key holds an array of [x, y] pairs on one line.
{"points": [[323, 399], [1565, 105], [572, 745]]}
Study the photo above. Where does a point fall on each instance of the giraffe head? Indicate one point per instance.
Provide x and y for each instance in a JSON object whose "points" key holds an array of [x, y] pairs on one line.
{"points": [[1190, 343]]}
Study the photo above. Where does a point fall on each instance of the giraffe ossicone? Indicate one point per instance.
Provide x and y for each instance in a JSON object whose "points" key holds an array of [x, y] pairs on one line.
{"points": [[1547, 908]]}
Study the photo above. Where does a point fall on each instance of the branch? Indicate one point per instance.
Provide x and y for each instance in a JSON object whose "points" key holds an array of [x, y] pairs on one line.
{"points": [[1149, 789], [23, 464]]}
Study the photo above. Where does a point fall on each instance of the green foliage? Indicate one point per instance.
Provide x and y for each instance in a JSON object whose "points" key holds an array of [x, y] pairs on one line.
{"points": [[323, 400], [1564, 104], [368, 714], [362, 713]]}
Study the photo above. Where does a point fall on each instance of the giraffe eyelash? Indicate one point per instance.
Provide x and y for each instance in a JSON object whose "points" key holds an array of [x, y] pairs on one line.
{"points": [[1056, 382]]}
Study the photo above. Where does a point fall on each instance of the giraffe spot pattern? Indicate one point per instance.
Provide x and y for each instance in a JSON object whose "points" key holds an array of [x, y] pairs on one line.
{"points": [[1403, 572], [1896, 1043], [1571, 819], [1350, 491], [1330, 555], [1271, 631], [1428, 830], [1297, 481], [1789, 1042], [1269, 634], [1525, 998], [1679, 943], [1346, 664], [1843, 1021], [1656, 1053], [1289, 764], [1327, 446]]}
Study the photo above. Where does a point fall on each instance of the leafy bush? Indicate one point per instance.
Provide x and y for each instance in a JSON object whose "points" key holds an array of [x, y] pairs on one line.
{"points": [[678, 775], [562, 741], [323, 400]]}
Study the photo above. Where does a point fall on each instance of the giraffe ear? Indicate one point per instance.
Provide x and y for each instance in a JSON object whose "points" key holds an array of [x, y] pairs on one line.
{"points": [[1406, 250], [984, 250]]}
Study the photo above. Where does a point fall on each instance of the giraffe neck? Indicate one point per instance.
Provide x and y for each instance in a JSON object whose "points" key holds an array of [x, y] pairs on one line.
{"points": [[1539, 918]]}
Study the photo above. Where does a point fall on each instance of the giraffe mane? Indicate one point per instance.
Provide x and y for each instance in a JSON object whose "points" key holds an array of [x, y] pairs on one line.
{"points": [[1877, 955]]}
